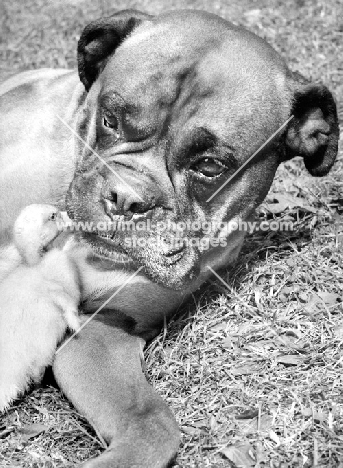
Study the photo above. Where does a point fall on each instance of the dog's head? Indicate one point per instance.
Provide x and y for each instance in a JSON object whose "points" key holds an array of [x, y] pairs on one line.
{"points": [[175, 106]]}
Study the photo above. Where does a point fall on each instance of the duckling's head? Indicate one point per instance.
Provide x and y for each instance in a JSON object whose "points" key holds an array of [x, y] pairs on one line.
{"points": [[35, 228]]}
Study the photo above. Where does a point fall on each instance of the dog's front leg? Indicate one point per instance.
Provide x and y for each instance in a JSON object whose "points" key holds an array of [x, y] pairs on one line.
{"points": [[100, 372]]}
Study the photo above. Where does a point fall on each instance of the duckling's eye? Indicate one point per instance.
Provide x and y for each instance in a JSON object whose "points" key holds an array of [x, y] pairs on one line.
{"points": [[53, 217]]}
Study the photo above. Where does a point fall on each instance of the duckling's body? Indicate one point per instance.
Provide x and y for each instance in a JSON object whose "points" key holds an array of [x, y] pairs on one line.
{"points": [[39, 299]]}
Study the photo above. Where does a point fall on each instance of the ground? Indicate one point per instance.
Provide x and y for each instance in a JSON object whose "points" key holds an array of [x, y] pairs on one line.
{"points": [[251, 369]]}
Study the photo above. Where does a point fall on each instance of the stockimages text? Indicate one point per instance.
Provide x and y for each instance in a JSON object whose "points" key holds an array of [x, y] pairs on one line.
{"points": [[204, 235]]}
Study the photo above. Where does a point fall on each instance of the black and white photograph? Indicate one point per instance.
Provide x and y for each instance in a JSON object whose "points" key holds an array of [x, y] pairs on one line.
{"points": [[171, 234]]}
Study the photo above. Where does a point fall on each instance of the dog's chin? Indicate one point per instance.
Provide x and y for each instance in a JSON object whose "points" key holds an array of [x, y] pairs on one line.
{"points": [[175, 271]]}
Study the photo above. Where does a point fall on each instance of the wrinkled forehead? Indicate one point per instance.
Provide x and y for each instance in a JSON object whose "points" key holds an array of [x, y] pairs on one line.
{"points": [[157, 54], [189, 64], [178, 41]]}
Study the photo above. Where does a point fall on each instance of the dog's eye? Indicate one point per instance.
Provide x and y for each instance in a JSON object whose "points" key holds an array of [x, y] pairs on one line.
{"points": [[209, 167], [111, 123]]}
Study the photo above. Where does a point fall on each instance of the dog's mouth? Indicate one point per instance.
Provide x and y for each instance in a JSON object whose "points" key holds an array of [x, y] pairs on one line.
{"points": [[167, 257], [172, 266], [105, 245]]}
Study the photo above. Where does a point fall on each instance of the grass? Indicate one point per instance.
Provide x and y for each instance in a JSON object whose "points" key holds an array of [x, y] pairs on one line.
{"points": [[252, 372]]}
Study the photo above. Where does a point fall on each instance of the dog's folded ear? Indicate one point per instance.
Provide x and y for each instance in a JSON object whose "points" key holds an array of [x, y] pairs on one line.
{"points": [[314, 132], [99, 40]]}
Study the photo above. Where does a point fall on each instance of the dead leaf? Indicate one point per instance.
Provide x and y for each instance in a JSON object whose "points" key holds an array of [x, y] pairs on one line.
{"points": [[262, 343], [168, 351], [287, 201], [294, 343], [31, 430], [258, 296], [244, 328], [246, 369], [330, 299], [303, 297], [248, 414], [240, 454], [287, 290], [290, 359], [227, 342], [213, 423], [314, 305], [34, 454], [219, 327], [274, 437], [291, 262], [319, 415], [249, 426], [201, 423], [339, 332], [318, 301], [260, 453], [190, 430], [42, 410], [265, 423]]}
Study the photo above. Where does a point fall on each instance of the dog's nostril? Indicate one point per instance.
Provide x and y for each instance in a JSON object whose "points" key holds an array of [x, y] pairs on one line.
{"points": [[113, 197], [138, 208]]}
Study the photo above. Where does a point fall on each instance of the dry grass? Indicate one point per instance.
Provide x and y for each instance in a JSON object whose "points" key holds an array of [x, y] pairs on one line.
{"points": [[255, 369]]}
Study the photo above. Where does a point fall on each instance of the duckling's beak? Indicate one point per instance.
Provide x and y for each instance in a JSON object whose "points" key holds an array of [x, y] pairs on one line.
{"points": [[64, 218]]}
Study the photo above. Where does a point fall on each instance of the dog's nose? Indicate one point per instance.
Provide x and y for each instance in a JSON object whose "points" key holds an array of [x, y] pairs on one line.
{"points": [[130, 191], [128, 198], [130, 202]]}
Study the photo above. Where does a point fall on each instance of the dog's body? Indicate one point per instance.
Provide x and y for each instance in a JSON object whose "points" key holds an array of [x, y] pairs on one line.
{"points": [[172, 106], [39, 299]]}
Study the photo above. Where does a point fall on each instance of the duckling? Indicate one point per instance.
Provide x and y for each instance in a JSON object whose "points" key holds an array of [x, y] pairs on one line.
{"points": [[39, 298], [10, 258]]}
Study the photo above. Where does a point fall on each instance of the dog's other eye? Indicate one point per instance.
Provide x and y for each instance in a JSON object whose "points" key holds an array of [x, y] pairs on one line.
{"points": [[209, 167], [111, 123]]}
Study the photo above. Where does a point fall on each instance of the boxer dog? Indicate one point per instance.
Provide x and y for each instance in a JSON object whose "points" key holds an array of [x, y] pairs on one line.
{"points": [[162, 112]]}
